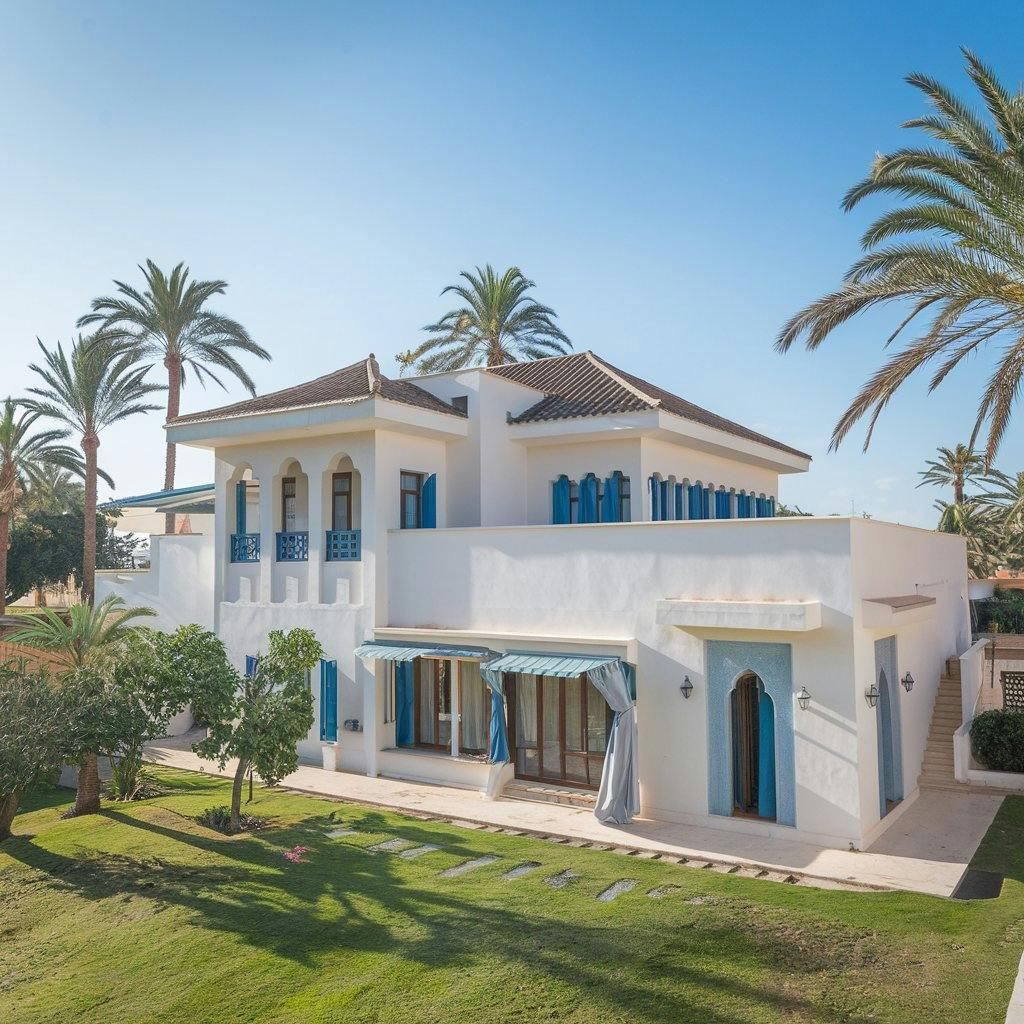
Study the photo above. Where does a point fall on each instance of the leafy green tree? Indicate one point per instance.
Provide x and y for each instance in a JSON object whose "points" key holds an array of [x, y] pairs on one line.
{"points": [[83, 643], [33, 740], [25, 457], [98, 385], [259, 719], [169, 320], [950, 257], [497, 323], [955, 467]]}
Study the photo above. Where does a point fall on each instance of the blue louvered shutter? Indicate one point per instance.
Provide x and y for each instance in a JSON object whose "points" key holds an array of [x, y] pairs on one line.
{"points": [[743, 506], [240, 507], [665, 500], [722, 505], [560, 500], [405, 704], [588, 499], [250, 665], [428, 499], [610, 500], [705, 500], [655, 499], [328, 701], [696, 504], [680, 511]]}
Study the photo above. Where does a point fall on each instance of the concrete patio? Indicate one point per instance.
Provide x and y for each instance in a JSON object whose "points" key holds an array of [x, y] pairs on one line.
{"points": [[926, 850]]}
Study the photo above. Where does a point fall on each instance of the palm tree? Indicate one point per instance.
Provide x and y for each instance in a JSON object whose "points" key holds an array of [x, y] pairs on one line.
{"points": [[954, 467], [980, 527], [1005, 497], [952, 254], [25, 458], [169, 321], [82, 641], [100, 384], [499, 323]]}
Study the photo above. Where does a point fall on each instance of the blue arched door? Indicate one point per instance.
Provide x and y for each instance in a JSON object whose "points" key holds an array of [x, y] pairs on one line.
{"points": [[887, 720], [753, 748]]}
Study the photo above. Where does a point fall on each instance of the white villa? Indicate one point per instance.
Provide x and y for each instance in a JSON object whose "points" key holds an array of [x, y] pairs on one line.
{"points": [[549, 573]]}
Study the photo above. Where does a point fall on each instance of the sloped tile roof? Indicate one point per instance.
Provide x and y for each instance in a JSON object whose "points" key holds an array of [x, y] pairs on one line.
{"points": [[353, 383], [583, 384]]}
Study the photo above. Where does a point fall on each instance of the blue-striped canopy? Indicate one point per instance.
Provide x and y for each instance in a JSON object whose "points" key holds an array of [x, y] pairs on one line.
{"points": [[386, 650], [531, 663]]}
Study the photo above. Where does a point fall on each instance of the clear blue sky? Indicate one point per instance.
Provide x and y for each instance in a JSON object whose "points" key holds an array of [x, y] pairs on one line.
{"points": [[669, 175]]}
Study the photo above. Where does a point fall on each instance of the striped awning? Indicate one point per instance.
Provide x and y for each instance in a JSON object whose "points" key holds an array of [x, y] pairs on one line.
{"points": [[388, 650], [535, 664]]}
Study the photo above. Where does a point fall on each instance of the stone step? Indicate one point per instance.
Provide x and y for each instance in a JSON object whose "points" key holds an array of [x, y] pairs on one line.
{"points": [[539, 792]]}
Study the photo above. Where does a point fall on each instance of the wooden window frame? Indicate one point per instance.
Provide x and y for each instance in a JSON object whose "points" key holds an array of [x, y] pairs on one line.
{"points": [[435, 669], [589, 757], [417, 493], [335, 494], [285, 481]]}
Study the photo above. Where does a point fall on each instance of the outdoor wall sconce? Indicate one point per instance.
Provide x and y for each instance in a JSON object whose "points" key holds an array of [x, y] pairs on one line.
{"points": [[871, 695], [687, 688], [803, 698], [908, 682]]}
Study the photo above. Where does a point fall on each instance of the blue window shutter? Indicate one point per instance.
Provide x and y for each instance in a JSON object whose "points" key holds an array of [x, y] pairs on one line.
{"points": [[679, 502], [743, 509], [588, 499], [722, 505], [696, 508], [328, 701], [664, 503], [655, 499], [428, 514], [405, 704], [240, 507], [560, 500], [250, 665], [610, 500], [705, 500]]}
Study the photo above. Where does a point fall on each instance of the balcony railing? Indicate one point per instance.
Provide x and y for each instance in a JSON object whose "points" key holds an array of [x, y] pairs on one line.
{"points": [[245, 547], [343, 546], [293, 546]]}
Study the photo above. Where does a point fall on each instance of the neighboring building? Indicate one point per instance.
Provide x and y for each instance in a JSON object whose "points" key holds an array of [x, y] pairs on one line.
{"points": [[598, 535]]}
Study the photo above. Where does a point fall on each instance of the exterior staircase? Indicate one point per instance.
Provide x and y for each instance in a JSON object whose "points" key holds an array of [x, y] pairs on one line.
{"points": [[947, 715]]}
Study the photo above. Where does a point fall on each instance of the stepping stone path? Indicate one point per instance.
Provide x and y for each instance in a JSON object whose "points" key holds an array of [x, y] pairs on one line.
{"points": [[389, 845], [663, 890], [418, 851], [562, 879], [339, 832], [522, 869], [617, 889], [468, 865]]}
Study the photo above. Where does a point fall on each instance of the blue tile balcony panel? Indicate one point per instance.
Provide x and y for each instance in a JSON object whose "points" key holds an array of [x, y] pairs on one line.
{"points": [[245, 547], [343, 546], [293, 546]]}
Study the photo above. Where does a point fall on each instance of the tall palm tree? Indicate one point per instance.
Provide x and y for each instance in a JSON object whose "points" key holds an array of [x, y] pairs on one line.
{"points": [[498, 323], [25, 458], [980, 527], [955, 467], [169, 320], [100, 383], [1005, 496], [83, 640], [950, 255]]}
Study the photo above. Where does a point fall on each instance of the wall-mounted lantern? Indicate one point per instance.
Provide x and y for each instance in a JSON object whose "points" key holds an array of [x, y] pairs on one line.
{"points": [[803, 698], [871, 695], [687, 688], [908, 682]]}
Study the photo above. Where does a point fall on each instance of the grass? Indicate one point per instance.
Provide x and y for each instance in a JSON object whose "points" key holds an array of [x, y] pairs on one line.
{"points": [[140, 914]]}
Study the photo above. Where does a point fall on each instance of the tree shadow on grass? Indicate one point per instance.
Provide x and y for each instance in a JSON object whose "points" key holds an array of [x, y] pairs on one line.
{"points": [[348, 900]]}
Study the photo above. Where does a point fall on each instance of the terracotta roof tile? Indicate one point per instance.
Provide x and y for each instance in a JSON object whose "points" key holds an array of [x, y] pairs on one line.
{"points": [[583, 384], [353, 383]]}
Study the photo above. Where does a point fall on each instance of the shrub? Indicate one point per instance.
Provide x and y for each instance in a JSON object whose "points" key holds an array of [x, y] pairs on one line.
{"points": [[1003, 612], [997, 740], [219, 819]]}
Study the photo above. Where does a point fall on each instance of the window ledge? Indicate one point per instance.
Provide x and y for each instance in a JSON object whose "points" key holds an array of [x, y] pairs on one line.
{"points": [[437, 754]]}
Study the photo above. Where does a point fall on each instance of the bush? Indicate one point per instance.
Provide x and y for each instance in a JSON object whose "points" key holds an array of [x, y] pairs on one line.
{"points": [[1003, 612], [219, 819], [997, 740]]}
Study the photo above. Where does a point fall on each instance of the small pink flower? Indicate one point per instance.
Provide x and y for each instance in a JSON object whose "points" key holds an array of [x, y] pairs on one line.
{"points": [[295, 854]]}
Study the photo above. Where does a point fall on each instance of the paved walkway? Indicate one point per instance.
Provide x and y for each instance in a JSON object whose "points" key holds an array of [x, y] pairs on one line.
{"points": [[926, 850]]}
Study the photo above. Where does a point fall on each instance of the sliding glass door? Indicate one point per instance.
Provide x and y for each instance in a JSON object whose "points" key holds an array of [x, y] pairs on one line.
{"points": [[559, 729]]}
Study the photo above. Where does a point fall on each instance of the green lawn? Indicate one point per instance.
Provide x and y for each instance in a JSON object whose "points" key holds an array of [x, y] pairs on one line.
{"points": [[140, 914]]}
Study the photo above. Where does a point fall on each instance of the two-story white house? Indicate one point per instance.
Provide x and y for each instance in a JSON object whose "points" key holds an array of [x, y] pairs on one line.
{"points": [[554, 573]]}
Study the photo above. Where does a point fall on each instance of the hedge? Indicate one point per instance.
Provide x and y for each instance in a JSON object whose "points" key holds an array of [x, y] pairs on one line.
{"points": [[997, 740]]}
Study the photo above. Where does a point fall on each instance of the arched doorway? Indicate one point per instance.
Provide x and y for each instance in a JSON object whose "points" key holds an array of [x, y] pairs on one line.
{"points": [[753, 749]]}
